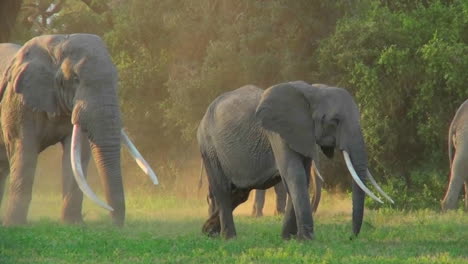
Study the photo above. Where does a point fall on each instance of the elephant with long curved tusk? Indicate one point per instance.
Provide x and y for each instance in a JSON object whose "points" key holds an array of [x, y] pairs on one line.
{"points": [[61, 89], [252, 139]]}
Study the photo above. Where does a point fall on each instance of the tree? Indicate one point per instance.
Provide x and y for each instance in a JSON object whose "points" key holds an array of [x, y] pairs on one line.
{"points": [[9, 10]]}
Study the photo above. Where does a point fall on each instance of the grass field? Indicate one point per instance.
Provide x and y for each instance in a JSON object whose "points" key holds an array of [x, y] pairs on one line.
{"points": [[167, 230]]}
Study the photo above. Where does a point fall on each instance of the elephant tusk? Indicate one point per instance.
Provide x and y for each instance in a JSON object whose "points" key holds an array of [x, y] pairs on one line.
{"points": [[317, 171], [75, 157], [139, 158], [372, 180], [356, 178]]}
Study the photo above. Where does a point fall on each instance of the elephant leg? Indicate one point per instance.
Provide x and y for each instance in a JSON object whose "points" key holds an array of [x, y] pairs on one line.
{"points": [[4, 171], [466, 195], [22, 155], [291, 166], [212, 226], [221, 221], [289, 229], [72, 196], [281, 196], [259, 202], [459, 169]]}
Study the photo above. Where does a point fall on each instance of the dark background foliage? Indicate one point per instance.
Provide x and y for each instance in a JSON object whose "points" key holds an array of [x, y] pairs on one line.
{"points": [[404, 61]]}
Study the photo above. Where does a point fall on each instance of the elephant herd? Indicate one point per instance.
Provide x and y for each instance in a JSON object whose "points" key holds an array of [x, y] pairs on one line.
{"points": [[63, 89]]}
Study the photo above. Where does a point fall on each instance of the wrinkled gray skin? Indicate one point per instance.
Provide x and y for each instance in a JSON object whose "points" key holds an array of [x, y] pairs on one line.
{"points": [[251, 139], [52, 83], [458, 157]]}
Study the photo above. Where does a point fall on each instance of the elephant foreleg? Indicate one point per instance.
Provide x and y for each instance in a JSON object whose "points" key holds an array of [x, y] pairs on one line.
{"points": [[22, 155], [292, 168], [259, 202], [289, 229], [72, 196]]}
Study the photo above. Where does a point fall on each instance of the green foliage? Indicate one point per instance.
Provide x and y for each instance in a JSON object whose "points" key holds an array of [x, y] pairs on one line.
{"points": [[406, 68]]}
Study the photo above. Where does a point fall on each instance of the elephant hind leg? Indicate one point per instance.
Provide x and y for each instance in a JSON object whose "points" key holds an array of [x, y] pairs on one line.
{"points": [[457, 176], [212, 226], [281, 196], [259, 202], [4, 171], [466, 194], [220, 189]]}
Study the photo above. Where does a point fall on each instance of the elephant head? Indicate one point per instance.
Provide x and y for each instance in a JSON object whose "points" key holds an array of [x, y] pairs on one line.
{"points": [[305, 115], [73, 76]]}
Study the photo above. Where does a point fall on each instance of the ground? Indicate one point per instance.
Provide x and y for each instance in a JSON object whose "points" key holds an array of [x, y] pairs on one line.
{"points": [[166, 229]]}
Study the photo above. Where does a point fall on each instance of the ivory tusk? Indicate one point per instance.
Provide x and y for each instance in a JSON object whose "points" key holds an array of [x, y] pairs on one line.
{"points": [[356, 177], [139, 158], [75, 157], [372, 180], [317, 171]]}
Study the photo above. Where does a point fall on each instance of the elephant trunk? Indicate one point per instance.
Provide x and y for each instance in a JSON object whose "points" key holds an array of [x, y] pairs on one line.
{"points": [[357, 164], [101, 120]]}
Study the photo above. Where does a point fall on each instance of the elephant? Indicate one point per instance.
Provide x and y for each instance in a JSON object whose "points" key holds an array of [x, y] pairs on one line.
{"points": [[61, 89], [252, 139], [458, 158], [281, 195]]}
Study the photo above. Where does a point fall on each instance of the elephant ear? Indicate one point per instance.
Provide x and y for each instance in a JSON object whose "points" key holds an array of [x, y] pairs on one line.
{"points": [[34, 81], [285, 110]]}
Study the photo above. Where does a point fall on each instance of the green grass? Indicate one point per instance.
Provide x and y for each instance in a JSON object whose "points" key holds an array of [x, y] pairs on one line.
{"points": [[167, 230]]}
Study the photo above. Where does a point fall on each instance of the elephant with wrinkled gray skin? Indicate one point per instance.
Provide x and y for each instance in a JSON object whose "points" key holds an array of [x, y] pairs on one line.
{"points": [[458, 158], [253, 139], [281, 195], [61, 88]]}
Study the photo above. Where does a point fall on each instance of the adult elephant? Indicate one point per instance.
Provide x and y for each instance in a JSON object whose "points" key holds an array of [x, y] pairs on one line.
{"points": [[458, 157], [281, 195], [61, 88], [252, 139]]}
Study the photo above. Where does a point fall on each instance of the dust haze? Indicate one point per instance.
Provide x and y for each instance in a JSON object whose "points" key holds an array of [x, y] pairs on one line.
{"points": [[178, 184]]}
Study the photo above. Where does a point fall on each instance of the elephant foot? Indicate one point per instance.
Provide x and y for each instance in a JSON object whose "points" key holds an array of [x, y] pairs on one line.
{"points": [[305, 233], [12, 219], [72, 219], [212, 226], [229, 234], [16, 215], [256, 213], [448, 205], [279, 212], [305, 236]]}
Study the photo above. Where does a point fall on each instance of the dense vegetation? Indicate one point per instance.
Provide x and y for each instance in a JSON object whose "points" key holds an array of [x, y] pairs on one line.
{"points": [[404, 61]]}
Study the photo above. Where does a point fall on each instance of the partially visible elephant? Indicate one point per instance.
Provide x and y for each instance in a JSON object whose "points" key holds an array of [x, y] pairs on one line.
{"points": [[253, 139], [281, 195], [259, 200], [61, 89], [458, 158]]}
